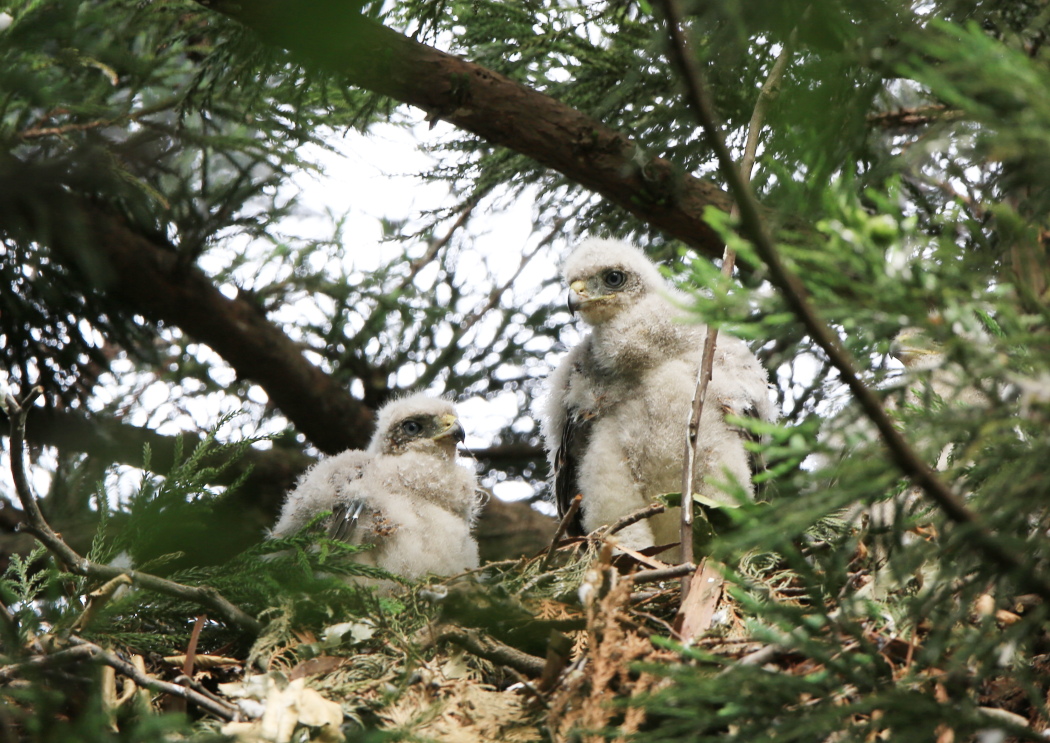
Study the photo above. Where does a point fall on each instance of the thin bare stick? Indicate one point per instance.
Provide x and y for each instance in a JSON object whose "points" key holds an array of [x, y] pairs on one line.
{"points": [[562, 526], [438, 244], [221, 710], [38, 130], [680, 49], [494, 650], [631, 518], [903, 455], [766, 95], [652, 576], [39, 528], [191, 648]]}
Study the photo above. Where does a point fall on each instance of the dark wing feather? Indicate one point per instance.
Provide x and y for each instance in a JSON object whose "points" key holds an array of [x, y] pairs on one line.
{"points": [[345, 519], [347, 513], [574, 438]]}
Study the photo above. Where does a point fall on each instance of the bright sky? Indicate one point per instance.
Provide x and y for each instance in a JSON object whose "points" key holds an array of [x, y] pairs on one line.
{"points": [[378, 175]]}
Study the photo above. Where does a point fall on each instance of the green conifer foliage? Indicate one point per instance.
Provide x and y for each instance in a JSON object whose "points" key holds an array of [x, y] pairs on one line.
{"points": [[892, 584]]}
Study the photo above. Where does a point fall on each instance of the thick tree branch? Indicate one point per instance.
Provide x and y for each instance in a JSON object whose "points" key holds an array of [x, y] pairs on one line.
{"points": [[491, 106], [144, 273]]}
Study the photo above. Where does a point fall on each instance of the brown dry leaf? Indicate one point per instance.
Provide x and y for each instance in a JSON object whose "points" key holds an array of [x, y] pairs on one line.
{"points": [[705, 592], [1005, 618], [315, 666]]}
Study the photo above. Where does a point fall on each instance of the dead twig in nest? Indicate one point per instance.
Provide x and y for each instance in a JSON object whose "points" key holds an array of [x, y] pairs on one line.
{"points": [[574, 506], [494, 651], [631, 518], [82, 650], [652, 576]]}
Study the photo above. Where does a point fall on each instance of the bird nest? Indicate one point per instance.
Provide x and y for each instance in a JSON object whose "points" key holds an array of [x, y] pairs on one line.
{"points": [[571, 644]]}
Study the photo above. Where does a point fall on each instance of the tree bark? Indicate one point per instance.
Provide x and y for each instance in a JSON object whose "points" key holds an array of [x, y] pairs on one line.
{"points": [[491, 106], [145, 273]]}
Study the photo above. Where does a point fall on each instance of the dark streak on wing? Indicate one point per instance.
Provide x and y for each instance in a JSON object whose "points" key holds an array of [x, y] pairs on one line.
{"points": [[346, 516], [345, 519], [574, 438]]}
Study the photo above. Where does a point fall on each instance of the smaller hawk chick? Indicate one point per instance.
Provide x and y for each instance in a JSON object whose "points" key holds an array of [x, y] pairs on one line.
{"points": [[617, 407], [405, 495]]}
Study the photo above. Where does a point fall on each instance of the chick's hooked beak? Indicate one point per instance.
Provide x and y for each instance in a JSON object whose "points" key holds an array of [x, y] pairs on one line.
{"points": [[450, 429], [577, 296]]}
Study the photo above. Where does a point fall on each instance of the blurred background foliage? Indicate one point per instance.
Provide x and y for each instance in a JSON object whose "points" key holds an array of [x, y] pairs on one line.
{"points": [[904, 165]]}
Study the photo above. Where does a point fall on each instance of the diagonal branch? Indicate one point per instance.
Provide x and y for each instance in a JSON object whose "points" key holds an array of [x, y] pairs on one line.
{"points": [[143, 272], [494, 107], [39, 528], [82, 650], [797, 299], [680, 50]]}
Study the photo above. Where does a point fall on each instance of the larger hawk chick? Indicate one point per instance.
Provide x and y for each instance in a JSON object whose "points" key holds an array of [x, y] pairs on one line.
{"points": [[615, 416]]}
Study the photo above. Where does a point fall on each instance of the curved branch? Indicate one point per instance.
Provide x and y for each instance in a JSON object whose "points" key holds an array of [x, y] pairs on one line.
{"points": [[38, 527]]}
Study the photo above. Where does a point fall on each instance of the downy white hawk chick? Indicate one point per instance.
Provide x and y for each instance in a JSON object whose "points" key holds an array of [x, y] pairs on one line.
{"points": [[615, 419], [405, 494]]}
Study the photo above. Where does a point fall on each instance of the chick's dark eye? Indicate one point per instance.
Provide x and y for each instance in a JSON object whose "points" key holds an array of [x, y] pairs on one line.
{"points": [[615, 279], [412, 427]]}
